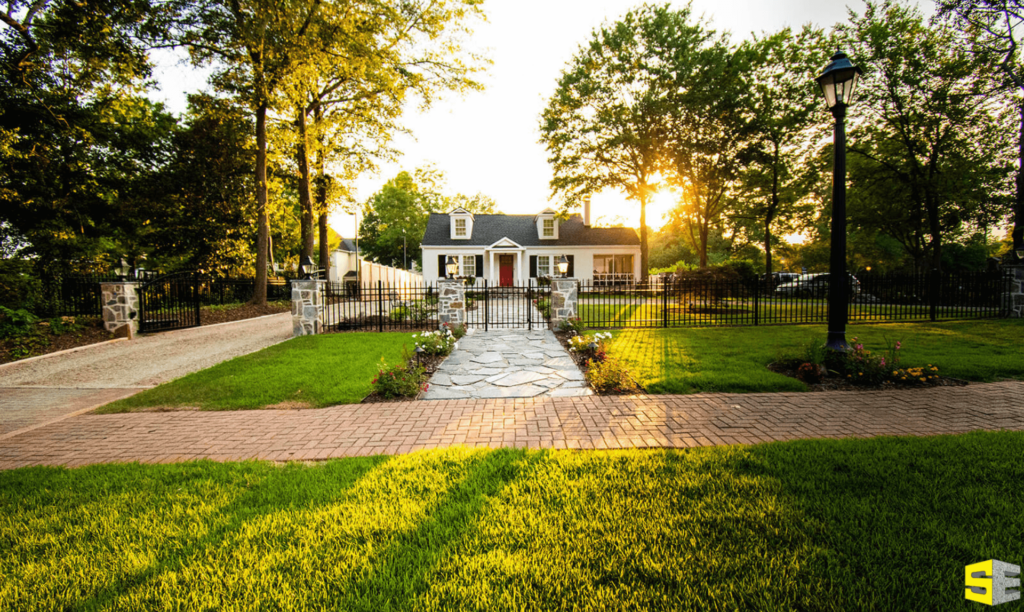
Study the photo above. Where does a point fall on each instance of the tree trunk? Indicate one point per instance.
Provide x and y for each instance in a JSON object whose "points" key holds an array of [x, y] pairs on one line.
{"points": [[325, 253], [320, 202], [643, 233], [305, 199], [1018, 204], [936, 233], [259, 296]]}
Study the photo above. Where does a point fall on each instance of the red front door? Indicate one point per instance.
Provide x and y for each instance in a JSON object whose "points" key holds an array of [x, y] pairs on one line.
{"points": [[505, 266]]}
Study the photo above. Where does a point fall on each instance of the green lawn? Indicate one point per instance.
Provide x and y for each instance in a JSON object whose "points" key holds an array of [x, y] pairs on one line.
{"points": [[733, 359], [879, 524], [311, 371]]}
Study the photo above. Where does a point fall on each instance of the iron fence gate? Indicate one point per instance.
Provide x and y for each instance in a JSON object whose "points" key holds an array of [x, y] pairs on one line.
{"points": [[169, 302], [511, 306]]}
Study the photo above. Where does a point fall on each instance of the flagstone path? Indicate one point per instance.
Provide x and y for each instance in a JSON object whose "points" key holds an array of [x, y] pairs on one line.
{"points": [[507, 363]]}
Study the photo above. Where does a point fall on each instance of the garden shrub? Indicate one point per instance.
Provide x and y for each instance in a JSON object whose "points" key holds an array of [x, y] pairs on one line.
{"points": [[581, 345], [544, 306], [458, 331], [398, 380], [399, 313], [610, 376], [572, 325], [439, 342]]}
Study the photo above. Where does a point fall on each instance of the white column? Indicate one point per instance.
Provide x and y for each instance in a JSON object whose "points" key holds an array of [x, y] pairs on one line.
{"points": [[520, 277]]}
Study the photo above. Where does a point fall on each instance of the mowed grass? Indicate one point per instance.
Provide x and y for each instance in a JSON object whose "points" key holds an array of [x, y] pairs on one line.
{"points": [[879, 524], [310, 371], [734, 359]]}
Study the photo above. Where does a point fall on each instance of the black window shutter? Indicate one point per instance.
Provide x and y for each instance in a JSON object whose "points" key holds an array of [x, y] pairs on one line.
{"points": [[479, 266], [441, 272], [533, 266], [568, 273]]}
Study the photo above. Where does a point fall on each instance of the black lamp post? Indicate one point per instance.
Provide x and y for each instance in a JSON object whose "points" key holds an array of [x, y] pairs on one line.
{"points": [[837, 84], [563, 266], [451, 267]]}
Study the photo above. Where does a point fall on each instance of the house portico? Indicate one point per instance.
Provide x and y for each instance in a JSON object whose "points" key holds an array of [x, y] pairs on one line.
{"points": [[505, 263]]}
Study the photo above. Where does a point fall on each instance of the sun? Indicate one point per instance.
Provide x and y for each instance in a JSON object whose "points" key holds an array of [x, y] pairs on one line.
{"points": [[612, 208]]}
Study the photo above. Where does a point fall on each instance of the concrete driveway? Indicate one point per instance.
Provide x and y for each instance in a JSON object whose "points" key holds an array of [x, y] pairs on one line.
{"points": [[39, 391]]}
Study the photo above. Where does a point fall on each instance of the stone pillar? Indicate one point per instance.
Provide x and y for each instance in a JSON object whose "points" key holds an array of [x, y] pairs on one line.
{"points": [[307, 309], [120, 308], [1015, 300], [451, 302], [564, 296]]}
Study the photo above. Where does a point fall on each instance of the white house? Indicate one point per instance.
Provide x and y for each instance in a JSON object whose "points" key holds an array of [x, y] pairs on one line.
{"points": [[344, 259], [512, 249]]}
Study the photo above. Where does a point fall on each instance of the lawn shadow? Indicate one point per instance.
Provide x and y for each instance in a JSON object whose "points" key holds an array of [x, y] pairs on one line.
{"points": [[286, 487], [402, 571]]}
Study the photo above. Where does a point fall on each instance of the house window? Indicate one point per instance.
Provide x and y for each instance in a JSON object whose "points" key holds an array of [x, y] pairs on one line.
{"points": [[543, 265], [468, 265], [549, 228], [613, 264], [460, 228]]}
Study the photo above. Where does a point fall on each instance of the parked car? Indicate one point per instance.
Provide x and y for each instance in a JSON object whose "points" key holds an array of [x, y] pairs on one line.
{"points": [[814, 286], [784, 277]]}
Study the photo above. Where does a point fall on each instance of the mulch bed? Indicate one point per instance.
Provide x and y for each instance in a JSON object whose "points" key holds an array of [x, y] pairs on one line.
{"points": [[212, 316], [581, 363], [837, 382], [430, 362], [50, 343]]}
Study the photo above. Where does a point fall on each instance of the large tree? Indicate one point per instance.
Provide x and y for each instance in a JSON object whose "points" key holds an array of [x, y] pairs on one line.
{"points": [[996, 31], [931, 135], [605, 127], [785, 119], [78, 139]]}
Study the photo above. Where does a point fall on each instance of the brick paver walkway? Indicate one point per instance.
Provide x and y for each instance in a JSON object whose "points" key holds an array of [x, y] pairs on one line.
{"points": [[585, 423]]}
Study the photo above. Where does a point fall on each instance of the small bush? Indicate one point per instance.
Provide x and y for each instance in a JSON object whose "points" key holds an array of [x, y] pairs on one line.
{"points": [[572, 325], [16, 323], [458, 331], [399, 313], [544, 306], [590, 346], [398, 381], [436, 343], [610, 376]]}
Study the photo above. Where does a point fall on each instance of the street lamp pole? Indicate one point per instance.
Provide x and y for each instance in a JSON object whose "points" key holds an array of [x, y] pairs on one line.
{"points": [[837, 84]]}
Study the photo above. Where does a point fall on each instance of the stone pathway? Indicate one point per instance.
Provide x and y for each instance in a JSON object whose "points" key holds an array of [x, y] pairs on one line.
{"points": [[507, 363], [597, 422]]}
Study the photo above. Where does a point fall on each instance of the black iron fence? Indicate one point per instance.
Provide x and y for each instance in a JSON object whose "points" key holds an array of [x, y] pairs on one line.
{"points": [[400, 307], [378, 307], [239, 290], [757, 301]]}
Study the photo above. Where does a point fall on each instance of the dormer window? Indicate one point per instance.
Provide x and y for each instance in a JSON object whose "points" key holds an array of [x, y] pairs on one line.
{"points": [[462, 224], [547, 225]]}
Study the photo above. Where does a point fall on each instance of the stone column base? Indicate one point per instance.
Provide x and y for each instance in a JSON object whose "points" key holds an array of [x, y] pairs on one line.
{"points": [[307, 309], [451, 302], [564, 297], [120, 308]]}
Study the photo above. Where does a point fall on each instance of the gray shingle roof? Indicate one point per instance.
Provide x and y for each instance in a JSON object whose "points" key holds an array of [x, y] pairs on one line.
{"points": [[347, 244], [488, 229]]}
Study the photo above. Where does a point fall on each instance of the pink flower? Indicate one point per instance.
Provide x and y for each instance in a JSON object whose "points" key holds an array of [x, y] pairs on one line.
{"points": [[898, 345], [883, 362]]}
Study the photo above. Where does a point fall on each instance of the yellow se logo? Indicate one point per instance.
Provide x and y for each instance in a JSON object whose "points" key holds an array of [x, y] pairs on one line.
{"points": [[992, 582]]}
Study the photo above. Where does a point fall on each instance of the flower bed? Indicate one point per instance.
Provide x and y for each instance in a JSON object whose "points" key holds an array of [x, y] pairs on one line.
{"points": [[859, 368], [406, 380], [606, 375]]}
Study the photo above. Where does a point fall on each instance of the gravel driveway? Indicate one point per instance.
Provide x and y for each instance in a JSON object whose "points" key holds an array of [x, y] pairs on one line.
{"points": [[37, 391]]}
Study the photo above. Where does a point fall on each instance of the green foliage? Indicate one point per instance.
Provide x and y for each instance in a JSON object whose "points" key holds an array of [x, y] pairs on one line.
{"points": [[15, 323], [734, 360], [772, 526], [544, 306], [395, 217], [311, 371], [610, 375], [439, 342], [458, 331], [398, 380], [573, 325]]}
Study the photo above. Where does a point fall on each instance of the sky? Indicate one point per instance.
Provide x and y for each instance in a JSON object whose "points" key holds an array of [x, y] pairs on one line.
{"points": [[488, 142]]}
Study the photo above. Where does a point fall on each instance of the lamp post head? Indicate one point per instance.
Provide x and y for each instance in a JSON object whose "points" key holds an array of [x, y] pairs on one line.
{"points": [[838, 81], [306, 268], [1020, 254], [451, 266], [563, 266]]}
